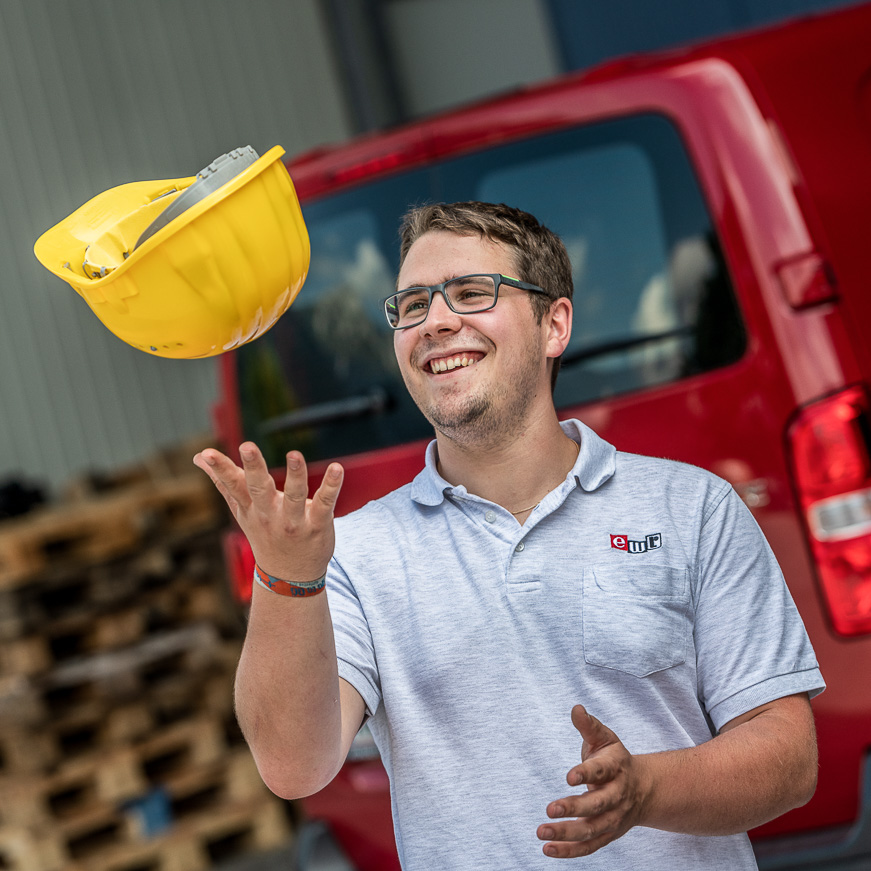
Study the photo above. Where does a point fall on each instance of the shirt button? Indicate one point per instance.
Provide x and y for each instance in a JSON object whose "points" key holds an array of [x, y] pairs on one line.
{"points": [[519, 547], [490, 516]]}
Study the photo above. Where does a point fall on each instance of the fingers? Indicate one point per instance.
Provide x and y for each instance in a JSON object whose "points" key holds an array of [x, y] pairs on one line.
{"points": [[290, 535], [595, 771], [296, 482], [603, 753], [598, 819], [578, 837], [574, 847], [252, 485], [323, 502], [610, 805], [227, 477], [588, 804], [258, 482], [595, 733], [325, 498]]}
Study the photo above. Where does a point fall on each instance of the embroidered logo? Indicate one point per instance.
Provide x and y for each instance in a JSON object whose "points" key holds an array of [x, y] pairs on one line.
{"points": [[649, 542]]}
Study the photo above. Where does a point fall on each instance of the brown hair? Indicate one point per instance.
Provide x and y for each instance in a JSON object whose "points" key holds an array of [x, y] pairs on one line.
{"points": [[540, 256]]}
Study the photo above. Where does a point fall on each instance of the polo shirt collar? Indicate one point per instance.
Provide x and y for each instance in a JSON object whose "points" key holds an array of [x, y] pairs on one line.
{"points": [[596, 463]]}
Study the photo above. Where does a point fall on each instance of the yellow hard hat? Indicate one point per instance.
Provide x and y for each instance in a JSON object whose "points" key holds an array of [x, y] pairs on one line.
{"points": [[188, 267]]}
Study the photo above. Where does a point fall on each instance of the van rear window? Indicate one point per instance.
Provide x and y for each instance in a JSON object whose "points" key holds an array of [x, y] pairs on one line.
{"points": [[653, 300]]}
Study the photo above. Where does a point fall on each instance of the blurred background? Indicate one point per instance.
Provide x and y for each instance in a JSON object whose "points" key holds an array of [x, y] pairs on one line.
{"points": [[97, 93]]}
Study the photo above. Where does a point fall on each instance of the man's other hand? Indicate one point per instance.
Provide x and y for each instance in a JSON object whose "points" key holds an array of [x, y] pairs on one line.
{"points": [[612, 803]]}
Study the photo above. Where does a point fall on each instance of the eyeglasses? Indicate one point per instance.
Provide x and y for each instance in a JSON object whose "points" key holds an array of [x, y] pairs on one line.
{"points": [[466, 295]]}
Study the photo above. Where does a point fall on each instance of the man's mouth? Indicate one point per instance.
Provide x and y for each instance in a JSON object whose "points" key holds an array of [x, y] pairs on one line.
{"points": [[456, 361]]}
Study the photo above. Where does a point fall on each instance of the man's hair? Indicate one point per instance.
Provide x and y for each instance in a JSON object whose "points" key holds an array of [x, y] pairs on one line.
{"points": [[540, 257]]}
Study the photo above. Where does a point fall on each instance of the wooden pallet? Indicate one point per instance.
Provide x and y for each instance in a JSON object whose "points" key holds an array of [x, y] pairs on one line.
{"points": [[76, 635], [48, 802], [23, 849], [84, 533], [178, 578], [182, 506], [171, 462], [155, 669], [65, 590], [93, 532], [117, 653], [215, 811], [86, 730], [90, 629], [104, 724], [111, 776], [197, 843]]}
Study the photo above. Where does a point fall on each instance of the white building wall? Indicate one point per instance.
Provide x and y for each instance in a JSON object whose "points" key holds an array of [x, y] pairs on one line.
{"points": [[455, 51], [96, 93]]}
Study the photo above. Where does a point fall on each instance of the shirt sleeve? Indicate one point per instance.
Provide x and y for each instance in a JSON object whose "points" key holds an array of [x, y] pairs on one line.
{"points": [[751, 643], [355, 651]]}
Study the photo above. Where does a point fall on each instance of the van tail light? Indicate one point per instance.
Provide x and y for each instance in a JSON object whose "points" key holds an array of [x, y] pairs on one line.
{"points": [[240, 565], [830, 446]]}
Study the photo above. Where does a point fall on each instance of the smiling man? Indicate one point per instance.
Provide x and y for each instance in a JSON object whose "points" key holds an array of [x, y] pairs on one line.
{"points": [[503, 384], [539, 686]]}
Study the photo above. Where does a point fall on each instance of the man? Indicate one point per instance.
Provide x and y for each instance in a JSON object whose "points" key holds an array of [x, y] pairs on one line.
{"points": [[486, 620]]}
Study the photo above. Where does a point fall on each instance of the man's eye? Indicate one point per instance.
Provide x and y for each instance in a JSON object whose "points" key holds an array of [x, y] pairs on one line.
{"points": [[412, 304], [472, 295]]}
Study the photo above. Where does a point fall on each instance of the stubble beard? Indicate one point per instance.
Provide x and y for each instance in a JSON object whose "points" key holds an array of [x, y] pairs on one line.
{"points": [[471, 422], [487, 415]]}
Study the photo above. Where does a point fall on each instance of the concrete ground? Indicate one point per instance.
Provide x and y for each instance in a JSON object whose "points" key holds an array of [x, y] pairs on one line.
{"points": [[281, 859], [313, 850]]}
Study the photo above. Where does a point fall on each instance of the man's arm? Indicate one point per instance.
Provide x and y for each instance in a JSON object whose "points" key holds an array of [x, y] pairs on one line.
{"points": [[759, 766], [298, 717]]}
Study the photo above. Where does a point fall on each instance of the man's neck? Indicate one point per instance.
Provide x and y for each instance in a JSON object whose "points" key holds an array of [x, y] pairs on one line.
{"points": [[517, 471]]}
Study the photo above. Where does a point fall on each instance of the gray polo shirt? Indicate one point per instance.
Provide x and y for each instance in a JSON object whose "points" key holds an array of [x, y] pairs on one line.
{"points": [[641, 588]]}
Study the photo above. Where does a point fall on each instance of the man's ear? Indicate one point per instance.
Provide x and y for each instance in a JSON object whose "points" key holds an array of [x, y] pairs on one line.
{"points": [[559, 326]]}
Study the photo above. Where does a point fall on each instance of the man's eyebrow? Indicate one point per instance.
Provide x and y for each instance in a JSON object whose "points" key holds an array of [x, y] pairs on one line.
{"points": [[444, 280], [469, 277]]}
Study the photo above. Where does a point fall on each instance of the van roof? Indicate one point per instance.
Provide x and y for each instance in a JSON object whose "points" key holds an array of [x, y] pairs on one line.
{"points": [[770, 59]]}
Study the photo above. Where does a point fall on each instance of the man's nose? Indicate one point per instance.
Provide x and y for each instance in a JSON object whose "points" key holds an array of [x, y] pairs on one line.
{"points": [[440, 317]]}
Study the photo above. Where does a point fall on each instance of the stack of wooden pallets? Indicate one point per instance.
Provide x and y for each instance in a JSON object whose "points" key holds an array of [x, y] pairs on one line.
{"points": [[118, 747]]}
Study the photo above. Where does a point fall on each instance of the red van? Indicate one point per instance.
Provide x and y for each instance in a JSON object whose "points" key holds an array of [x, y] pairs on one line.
{"points": [[716, 203]]}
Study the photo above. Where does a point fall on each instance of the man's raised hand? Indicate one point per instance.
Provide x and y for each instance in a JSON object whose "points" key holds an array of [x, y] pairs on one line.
{"points": [[291, 535], [614, 799]]}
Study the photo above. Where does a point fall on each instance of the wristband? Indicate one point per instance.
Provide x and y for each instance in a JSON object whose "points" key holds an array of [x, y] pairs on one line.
{"points": [[293, 589]]}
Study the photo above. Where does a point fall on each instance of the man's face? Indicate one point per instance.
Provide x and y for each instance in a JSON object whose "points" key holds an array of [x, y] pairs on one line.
{"points": [[497, 363]]}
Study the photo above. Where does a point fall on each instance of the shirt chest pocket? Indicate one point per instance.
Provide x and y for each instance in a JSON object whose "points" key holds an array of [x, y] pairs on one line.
{"points": [[636, 618]]}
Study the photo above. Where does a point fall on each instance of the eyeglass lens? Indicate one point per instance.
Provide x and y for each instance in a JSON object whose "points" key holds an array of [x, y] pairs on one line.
{"points": [[466, 295]]}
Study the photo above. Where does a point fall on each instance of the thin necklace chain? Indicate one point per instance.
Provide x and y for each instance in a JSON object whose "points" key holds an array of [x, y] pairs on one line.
{"points": [[533, 507]]}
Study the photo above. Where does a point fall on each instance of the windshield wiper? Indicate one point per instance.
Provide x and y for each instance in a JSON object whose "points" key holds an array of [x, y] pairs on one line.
{"points": [[616, 345], [374, 402]]}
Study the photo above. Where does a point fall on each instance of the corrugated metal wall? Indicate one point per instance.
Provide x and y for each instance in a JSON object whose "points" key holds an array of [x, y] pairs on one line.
{"points": [[96, 93]]}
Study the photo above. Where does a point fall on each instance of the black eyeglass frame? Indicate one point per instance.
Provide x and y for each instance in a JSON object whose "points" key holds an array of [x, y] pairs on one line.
{"points": [[497, 277]]}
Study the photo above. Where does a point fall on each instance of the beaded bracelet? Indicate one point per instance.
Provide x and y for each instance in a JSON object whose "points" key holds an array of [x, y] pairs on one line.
{"points": [[289, 588]]}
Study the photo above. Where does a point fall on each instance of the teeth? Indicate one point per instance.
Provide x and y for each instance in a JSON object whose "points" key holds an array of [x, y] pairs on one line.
{"points": [[452, 363]]}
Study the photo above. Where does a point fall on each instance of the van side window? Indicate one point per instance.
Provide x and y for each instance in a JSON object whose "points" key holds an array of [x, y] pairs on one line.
{"points": [[653, 301], [652, 298]]}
